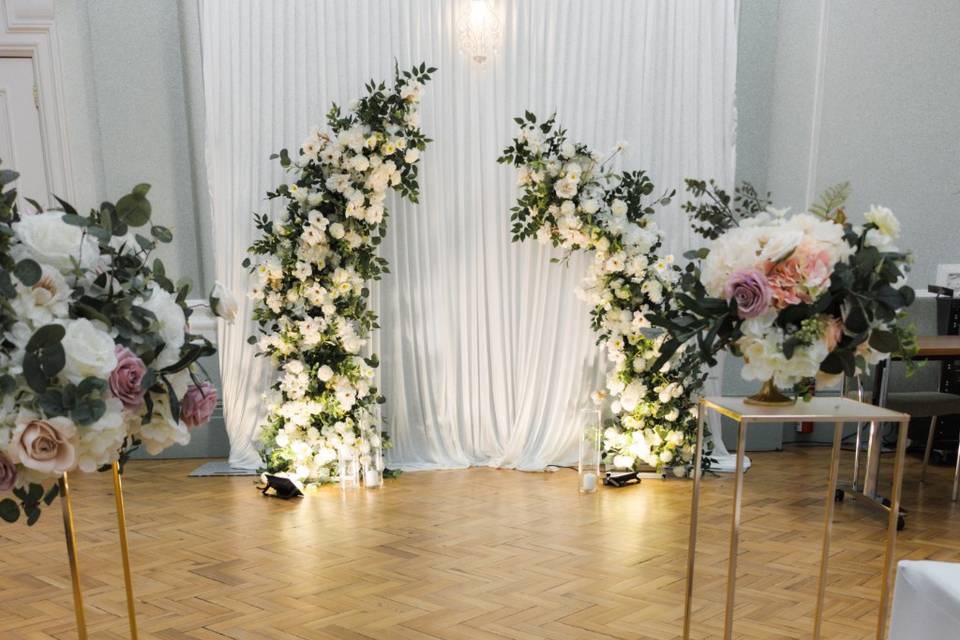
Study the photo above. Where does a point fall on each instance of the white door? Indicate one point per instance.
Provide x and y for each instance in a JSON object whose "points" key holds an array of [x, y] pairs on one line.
{"points": [[21, 144]]}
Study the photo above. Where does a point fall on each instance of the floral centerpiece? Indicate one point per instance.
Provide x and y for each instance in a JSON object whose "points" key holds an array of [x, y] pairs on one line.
{"points": [[799, 297], [96, 356], [571, 199], [311, 270]]}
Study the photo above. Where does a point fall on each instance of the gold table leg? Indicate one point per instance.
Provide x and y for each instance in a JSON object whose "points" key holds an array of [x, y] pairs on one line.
{"points": [[735, 533], [827, 525], [124, 550], [890, 555], [71, 536], [694, 510]]}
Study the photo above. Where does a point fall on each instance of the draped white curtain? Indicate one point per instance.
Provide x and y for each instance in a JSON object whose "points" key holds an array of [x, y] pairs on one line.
{"points": [[487, 355]]}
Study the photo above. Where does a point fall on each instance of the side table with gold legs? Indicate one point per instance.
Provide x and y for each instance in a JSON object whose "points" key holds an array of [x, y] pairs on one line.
{"points": [[835, 410]]}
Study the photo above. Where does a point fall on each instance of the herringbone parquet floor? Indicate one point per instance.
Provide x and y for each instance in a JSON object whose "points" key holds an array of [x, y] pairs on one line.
{"points": [[478, 554]]}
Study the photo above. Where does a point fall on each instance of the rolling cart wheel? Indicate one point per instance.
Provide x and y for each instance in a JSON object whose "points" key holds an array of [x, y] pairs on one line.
{"points": [[838, 495], [901, 523]]}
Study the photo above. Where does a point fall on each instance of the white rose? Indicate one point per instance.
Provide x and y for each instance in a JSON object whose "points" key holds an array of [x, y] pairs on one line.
{"points": [[224, 304], [567, 150], [618, 207], [324, 373], [172, 323], [632, 395], [590, 206], [89, 351], [623, 462], [46, 238], [566, 188], [411, 156], [336, 230]]}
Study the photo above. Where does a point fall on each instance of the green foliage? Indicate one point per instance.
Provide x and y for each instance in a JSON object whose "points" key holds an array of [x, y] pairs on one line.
{"points": [[713, 211], [831, 201]]}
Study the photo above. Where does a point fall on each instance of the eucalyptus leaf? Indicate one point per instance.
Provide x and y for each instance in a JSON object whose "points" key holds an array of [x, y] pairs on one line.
{"points": [[9, 510], [28, 272], [46, 336], [134, 209]]}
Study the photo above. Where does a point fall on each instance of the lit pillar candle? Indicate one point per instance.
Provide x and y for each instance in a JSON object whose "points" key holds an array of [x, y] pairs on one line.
{"points": [[589, 482]]}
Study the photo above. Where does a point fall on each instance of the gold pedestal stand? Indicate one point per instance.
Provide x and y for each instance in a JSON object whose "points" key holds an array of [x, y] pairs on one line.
{"points": [[835, 410], [71, 535]]}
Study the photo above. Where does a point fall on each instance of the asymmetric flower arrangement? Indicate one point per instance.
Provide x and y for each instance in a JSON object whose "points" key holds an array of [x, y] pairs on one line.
{"points": [[798, 297], [96, 356], [311, 273], [570, 200]]}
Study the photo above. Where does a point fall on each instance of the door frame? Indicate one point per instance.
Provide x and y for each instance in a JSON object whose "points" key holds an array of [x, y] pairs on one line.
{"points": [[27, 31]]}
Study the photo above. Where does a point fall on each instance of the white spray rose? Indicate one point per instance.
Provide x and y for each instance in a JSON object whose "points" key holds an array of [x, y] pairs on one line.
{"points": [[89, 351]]}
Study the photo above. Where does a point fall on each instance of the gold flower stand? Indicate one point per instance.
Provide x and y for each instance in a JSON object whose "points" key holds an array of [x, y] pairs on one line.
{"points": [[835, 410], [71, 535]]}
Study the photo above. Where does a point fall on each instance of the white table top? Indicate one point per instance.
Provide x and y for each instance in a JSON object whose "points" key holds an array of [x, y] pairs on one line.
{"points": [[816, 410]]}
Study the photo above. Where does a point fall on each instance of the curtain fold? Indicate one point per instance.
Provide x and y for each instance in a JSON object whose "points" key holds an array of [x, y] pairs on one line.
{"points": [[487, 355]]}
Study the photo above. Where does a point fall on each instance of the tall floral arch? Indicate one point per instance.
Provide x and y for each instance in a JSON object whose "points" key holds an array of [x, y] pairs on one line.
{"points": [[571, 200], [311, 267]]}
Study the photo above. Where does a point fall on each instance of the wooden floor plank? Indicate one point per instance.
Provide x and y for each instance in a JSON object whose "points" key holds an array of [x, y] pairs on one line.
{"points": [[470, 554]]}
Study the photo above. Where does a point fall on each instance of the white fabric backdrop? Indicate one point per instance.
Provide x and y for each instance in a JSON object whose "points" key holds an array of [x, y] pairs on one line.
{"points": [[487, 355]]}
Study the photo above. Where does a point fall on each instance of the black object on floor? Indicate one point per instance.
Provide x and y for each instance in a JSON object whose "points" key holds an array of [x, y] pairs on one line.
{"points": [[621, 479], [283, 487]]}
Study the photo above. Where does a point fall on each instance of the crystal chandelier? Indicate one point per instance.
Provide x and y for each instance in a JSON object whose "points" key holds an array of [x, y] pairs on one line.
{"points": [[479, 30]]}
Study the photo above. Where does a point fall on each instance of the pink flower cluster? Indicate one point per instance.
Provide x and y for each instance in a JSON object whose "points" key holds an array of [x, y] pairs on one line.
{"points": [[797, 279]]}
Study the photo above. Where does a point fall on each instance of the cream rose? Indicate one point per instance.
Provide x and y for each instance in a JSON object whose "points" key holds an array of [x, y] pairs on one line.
{"points": [[44, 445], [46, 238], [886, 222], [90, 351]]}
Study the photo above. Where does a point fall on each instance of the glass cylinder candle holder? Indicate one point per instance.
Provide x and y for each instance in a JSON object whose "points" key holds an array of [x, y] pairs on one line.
{"points": [[373, 464], [590, 435], [348, 466]]}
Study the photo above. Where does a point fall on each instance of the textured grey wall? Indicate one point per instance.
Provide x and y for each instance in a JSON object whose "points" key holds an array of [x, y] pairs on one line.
{"points": [[131, 76], [887, 122]]}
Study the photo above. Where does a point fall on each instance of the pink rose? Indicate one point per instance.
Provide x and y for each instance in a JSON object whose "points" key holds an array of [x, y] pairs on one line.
{"points": [[8, 473], [750, 290], [47, 446], [126, 378], [198, 404]]}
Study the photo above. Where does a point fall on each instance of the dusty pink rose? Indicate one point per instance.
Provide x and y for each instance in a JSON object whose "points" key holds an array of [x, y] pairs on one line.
{"points": [[44, 445], [751, 291], [8, 473], [198, 404], [833, 333], [126, 378]]}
